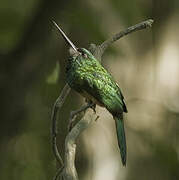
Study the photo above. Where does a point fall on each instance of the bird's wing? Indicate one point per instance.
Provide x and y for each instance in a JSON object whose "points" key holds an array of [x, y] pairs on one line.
{"points": [[99, 84]]}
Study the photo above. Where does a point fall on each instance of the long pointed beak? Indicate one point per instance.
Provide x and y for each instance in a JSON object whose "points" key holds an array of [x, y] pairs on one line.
{"points": [[65, 37]]}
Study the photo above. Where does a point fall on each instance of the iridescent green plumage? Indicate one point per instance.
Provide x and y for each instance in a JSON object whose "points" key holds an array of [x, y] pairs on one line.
{"points": [[88, 77]]}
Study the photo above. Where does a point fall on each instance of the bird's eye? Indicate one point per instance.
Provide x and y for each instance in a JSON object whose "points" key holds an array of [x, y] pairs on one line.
{"points": [[85, 55]]}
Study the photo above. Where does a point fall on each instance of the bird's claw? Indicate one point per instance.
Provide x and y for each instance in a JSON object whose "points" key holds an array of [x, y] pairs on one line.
{"points": [[93, 107]]}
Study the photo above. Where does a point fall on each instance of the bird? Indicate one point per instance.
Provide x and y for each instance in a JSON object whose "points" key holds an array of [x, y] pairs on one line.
{"points": [[86, 75]]}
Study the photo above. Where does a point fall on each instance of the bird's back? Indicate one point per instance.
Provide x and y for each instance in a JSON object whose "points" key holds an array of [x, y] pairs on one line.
{"points": [[88, 77]]}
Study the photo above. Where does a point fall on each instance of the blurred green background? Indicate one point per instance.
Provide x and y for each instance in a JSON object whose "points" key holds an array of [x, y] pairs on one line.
{"points": [[145, 64]]}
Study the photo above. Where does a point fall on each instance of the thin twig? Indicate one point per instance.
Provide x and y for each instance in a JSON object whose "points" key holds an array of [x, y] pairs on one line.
{"points": [[99, 50], [57, 105], [137, 27], [58, 173]]}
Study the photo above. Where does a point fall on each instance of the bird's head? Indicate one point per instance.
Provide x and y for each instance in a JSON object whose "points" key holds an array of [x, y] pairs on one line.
{"points": [[74, 51], [85, 53]]}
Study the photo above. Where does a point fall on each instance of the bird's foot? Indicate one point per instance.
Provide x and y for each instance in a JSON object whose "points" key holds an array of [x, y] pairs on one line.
{"points": [[74, 114], [93, 107]]}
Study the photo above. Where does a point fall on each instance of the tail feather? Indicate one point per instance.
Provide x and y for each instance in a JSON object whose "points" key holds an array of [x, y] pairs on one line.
{"points": [[121, 138]]}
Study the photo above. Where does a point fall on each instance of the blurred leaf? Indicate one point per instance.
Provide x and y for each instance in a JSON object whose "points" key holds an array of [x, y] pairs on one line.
{"points": [[53, 77]]}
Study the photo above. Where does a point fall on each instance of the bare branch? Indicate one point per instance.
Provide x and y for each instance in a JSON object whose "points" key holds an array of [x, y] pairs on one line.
{"points": [[57, 105], [98, 51], [69, 172]]}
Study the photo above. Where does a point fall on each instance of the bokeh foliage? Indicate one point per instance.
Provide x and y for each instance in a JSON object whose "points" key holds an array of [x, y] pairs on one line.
{"points": [[32, 54]]}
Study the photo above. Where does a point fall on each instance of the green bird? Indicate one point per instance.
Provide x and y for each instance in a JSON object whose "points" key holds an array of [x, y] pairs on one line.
{"points": [[89, 78]]}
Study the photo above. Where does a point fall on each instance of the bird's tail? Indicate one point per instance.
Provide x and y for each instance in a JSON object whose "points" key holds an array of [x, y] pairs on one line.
{"points": [[121, 137]]}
